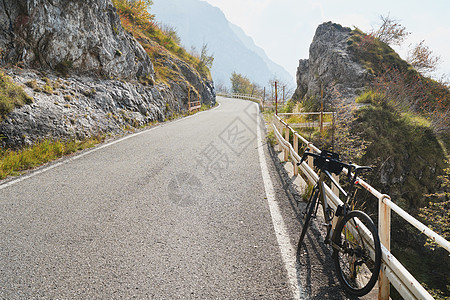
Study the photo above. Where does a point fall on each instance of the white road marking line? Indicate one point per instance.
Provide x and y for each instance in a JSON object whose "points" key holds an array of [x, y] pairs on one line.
{"points": [[78, 156], [288, 252]]}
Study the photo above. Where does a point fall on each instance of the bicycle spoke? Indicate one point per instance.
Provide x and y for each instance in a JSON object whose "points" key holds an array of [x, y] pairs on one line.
{"points": [[356, 269]]}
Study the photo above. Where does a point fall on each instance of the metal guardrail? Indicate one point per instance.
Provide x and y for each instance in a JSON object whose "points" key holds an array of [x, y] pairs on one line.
{"points": [[392, 271]]}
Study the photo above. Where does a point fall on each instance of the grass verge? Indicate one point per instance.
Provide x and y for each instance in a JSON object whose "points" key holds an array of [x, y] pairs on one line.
{"points": [[13, 163]]}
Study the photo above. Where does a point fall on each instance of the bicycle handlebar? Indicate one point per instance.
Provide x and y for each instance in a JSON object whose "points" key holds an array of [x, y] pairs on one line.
{"points": [[332, 159]]}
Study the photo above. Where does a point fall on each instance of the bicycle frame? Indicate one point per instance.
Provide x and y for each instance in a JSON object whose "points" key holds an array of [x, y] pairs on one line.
{"points": [[336, 218]]}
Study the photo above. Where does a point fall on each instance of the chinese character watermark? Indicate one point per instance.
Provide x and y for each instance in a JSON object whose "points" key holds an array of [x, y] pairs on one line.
{"points": [[184, 189], [237, 136], [213, 160]]}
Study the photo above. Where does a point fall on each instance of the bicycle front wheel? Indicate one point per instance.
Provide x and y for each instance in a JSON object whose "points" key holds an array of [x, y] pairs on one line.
{"points": [[309, 210], [357, 253]]}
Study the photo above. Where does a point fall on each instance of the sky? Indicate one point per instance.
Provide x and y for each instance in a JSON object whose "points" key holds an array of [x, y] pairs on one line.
{"points": [[285, 28]]}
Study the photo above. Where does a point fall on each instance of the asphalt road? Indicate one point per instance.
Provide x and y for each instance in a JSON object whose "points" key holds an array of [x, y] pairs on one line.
{"points": [[198, 208], [176, 212]]}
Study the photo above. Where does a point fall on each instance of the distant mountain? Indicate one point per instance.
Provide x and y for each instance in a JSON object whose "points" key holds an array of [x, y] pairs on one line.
{"points": [[275, 68], [197, 23]]}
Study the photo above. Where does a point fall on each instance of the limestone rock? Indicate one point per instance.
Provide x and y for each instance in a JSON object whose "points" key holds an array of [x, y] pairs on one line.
{"points": [[79, 107], [108, 84], [77, 36], [330, 65]]}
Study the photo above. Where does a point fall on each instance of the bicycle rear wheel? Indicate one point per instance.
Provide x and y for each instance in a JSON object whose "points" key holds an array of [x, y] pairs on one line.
{"points": [[309, 210], [357, 260]]}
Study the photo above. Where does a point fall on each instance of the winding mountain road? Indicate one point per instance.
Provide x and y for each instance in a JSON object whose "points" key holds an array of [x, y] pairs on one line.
{"points": [[191, 209]]}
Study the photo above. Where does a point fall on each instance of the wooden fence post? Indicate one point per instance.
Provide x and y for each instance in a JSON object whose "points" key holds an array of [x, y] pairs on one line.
{"points": [[296, 151], [286, 137], [334, 188], [189, 99], [384, 230], [310, 159], [280, 130]]}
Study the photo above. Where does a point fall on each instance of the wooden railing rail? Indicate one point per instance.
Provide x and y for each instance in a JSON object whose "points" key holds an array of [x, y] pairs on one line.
{"points": [[253, 98]]}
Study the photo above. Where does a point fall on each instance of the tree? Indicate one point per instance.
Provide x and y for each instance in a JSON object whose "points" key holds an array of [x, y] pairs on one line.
{"points": [[282, 87], [205, 58], [240, 84], [422, 58], [390, 31], [134, 14]]}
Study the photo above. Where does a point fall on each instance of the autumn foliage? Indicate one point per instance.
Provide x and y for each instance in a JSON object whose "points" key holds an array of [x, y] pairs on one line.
{"points": [[134, 15], [137, 20]]}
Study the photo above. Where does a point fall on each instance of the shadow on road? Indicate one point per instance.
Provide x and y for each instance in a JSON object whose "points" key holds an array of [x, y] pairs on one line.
{"points": [[315, 267]]}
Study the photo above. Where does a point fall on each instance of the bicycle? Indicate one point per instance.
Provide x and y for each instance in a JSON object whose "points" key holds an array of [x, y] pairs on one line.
{"points": [[354, 240]]}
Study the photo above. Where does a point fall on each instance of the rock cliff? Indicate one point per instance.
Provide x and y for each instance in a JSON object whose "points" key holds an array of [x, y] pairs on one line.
{"points": [[330, 65], [82, 36], [86, 74]]}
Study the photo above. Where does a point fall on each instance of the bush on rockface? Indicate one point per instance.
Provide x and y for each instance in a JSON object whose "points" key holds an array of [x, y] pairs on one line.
{"points": [[11, 96]]}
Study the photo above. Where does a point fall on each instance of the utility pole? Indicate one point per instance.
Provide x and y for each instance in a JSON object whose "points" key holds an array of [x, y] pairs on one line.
{"points": [[321, 109], [264, 98], [276, 99]]}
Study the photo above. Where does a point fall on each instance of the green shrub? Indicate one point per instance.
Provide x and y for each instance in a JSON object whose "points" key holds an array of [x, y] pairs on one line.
{"points": [[375, 55], [370, 96], [288, 107], [48, 89], [11, 96]]}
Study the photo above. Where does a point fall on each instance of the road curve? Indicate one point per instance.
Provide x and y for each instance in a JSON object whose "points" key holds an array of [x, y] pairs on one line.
{"points": [[176, 212]]}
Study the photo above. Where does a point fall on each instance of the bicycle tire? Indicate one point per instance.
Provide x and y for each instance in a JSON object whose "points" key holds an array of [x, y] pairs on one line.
{"points": [[356, 270], [309, 210]]}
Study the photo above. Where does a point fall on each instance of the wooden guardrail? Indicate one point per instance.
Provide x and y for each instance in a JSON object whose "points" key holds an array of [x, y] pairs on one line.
{"points": [[392, 271], [195, 104], [320, 123], [256, 99]]}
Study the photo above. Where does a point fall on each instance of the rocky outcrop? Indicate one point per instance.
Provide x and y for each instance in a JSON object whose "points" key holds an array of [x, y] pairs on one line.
{"points": [[78, 36], [330, 65], [86, 74], [78, 107]]}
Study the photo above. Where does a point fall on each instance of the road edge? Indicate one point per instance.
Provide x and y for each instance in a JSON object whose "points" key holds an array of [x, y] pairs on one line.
{"points": [[288, 253]]}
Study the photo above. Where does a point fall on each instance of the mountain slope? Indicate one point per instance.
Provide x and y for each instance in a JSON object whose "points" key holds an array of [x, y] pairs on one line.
{"points": [[275, 69], [199, 23]]}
